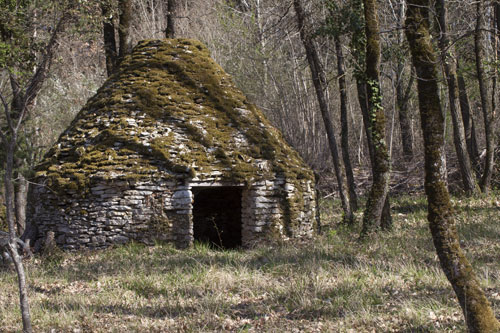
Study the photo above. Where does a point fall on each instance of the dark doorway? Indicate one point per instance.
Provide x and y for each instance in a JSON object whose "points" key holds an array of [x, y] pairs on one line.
{"points": [[217, 216]]}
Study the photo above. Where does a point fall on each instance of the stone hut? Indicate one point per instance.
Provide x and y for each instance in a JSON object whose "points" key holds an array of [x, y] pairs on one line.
{"points": [[169, 149]]}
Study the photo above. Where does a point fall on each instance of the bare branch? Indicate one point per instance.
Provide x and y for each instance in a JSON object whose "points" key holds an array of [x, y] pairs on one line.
{"points": [[43, 67]]}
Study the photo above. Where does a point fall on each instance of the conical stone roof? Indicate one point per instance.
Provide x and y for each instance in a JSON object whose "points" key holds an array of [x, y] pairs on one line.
{"points": [[169, 111]]}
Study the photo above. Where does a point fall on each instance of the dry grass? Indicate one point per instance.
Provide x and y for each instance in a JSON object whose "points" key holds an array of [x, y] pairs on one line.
{"points": [[331, 284]]}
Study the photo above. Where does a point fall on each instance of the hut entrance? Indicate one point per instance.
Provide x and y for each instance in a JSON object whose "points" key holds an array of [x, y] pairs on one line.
{"points": [[217, 216]]}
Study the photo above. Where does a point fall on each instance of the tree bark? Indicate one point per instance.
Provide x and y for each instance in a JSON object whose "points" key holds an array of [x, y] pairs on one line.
{"points": [[171, 11], [469, 183], [109, 37], [475, 306], [345, 124], [488, 115], [320, 83], [125, 26], [363, 105], [402, 98], [403, 94], [468, 119], [358, 45], [21, 193], [372, 218]]}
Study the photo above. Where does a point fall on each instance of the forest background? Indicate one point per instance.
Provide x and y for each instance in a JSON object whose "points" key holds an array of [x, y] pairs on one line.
{"points": [[266, 46]]}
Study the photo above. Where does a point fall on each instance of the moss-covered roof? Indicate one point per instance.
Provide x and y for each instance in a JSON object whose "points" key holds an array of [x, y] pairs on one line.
{"points": [[169, 109]]}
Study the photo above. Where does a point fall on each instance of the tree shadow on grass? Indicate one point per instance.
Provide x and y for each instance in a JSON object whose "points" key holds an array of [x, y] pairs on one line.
{"points": [[188, 262], [166, 310], [410, 207]]}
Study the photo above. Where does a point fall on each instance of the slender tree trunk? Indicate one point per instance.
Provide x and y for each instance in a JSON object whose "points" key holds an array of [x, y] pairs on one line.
{"points": [[345, 124], [402, 94], [448, 63], [363, 104], [21, 193], [469, 127], [109, 37], [320, 83], [171, 11], [483, 92], [124, 30], [12, 247], [475, 306], [402, 98], [372, 218]]}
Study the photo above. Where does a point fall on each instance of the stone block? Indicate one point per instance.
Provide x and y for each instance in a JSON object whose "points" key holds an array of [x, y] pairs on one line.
{"points": [[119, 239]]}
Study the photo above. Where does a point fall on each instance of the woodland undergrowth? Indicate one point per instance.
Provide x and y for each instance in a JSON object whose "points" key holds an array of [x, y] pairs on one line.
{"points": [[332, 283]]}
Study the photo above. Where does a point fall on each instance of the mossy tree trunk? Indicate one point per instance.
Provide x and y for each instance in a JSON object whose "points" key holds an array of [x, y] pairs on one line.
{"points": [[320, 85], [171, 11], [345, 123], [448, 63], [488, 114], [372, 218], [358, 47], [475, 306], [468, 119]]}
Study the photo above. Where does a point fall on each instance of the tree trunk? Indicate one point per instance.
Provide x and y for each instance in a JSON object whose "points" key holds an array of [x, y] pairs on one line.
{"points": [[109, 37], [483, 92], [358, 44], [320, 83], [402, 94], [402, 98], [12, 247], [372, 218], [345, 124], [468, 119], [21, 193], [448, 63], [171, 11], [363, 105], [475, 306], [124, 30]]}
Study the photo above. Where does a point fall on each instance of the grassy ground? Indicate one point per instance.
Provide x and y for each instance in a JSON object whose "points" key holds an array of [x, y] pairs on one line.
{"points": [[331, 284]]}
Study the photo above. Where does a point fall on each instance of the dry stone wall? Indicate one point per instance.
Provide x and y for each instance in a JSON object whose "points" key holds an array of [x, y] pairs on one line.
{"points": [[115, 212]]}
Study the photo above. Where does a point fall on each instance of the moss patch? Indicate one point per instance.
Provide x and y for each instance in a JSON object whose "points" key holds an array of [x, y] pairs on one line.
{"points": [[169, 110]]}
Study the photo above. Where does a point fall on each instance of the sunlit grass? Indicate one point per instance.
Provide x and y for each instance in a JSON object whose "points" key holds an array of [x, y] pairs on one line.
{"points": [[333, 283]]}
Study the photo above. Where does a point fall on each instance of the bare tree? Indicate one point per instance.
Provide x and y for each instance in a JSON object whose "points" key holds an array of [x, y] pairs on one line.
{"points": [[475, 306], [403, 93], [448, 63], [468, 119], [488, 114], [320, 85], [345, 123], [24, 94]]}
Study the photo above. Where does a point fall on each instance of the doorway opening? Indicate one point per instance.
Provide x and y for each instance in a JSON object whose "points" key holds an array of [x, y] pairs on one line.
{"points": [[217, 216]]}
